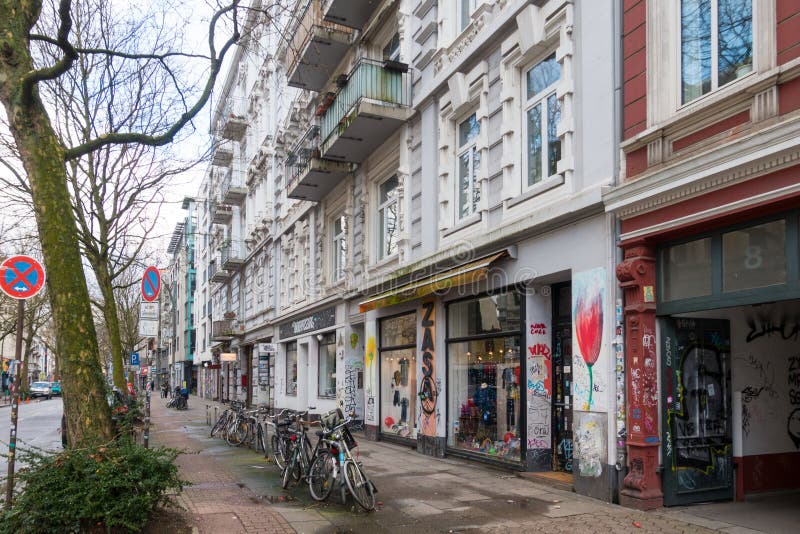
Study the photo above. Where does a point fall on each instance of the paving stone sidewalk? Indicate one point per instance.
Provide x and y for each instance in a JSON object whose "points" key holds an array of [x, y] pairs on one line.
{"points": [[216, 501], [236, 490]]}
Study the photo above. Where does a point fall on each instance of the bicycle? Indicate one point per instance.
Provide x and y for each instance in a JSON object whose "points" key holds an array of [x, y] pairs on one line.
{"points": [[300, 453], [280, 436], [226, 419], [338, 465]]}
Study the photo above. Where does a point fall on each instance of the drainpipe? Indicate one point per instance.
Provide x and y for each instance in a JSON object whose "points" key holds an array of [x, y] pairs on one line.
{"points": [[619, 340]]}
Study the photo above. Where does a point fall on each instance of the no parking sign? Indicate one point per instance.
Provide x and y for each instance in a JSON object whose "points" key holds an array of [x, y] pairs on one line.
{"points": [[21, 277]]}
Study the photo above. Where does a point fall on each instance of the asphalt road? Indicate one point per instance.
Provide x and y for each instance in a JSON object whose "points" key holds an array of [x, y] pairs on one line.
{"points": [[39, 425]]}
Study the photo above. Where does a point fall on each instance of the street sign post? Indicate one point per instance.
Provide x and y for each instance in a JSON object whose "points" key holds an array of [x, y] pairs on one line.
{"points": [[134, 358], [151, 284], [21, 277]]}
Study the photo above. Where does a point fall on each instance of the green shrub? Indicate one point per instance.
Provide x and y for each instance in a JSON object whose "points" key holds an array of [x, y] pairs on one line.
{"points": [[116, 487]]}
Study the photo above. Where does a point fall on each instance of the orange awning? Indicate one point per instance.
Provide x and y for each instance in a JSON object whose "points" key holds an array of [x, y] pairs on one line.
{"points": [[468, 273]]}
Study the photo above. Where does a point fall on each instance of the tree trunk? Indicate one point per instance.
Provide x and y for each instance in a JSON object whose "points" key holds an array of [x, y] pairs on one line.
{"points": [[87, 412], [100, 268]]}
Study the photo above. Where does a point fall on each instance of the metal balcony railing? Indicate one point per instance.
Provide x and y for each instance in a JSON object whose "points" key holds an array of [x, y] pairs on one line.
{"points": [[225, 329], [233, 255], [305, 149], [308, 19], [232, 123], [388, 82], [232, 187]]}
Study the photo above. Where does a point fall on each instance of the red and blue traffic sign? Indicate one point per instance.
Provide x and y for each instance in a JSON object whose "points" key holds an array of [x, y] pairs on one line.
{"points": [[21, 277], [151, 284]]}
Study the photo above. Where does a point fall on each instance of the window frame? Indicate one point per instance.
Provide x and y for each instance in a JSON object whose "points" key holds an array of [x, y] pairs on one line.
{"points": [[529, 103], [338, 261], [464, 17], [395, 38], [382, 254], [288, 369], [715, 87], [469, 147], [328, 340]]}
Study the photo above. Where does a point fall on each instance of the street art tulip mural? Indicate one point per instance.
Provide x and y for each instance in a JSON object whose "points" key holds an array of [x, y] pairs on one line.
{"points": [[587, 311]]}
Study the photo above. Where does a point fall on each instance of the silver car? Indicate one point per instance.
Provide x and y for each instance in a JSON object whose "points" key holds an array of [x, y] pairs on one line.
{"points": [[41, 389]]}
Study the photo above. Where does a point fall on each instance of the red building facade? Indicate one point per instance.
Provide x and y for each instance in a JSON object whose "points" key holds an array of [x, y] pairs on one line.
{"points": [[709, 209]]}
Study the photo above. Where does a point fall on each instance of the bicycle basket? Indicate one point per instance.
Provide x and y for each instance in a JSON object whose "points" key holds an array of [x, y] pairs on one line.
{"points": [[332, 418]]}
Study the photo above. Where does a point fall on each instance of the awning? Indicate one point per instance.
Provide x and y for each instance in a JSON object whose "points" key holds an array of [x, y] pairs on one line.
{"points": [[468, 273]]}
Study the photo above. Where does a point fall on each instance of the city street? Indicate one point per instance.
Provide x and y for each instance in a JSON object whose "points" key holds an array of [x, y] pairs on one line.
{"points": [[38, 426]]}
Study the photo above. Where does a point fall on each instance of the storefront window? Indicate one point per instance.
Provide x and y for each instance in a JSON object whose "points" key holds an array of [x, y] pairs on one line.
{"points": [[398, 376], [327, 366], [687, 270], [484, 381], [754, 257], [486, 315], [291, 368]]}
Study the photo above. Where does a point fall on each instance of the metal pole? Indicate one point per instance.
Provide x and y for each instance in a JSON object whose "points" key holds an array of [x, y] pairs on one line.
{"points": [[12, 442], [147, 419]]}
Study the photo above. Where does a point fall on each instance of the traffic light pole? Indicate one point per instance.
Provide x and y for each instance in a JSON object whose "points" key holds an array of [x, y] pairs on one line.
{"points": [[12, 442]]}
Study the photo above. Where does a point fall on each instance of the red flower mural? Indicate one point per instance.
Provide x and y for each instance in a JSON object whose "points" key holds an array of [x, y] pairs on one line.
{"points": [[589, 330]]}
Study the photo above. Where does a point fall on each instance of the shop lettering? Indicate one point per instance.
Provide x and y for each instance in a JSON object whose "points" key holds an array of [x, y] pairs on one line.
{"points": [[303, 325], [427, 388]]}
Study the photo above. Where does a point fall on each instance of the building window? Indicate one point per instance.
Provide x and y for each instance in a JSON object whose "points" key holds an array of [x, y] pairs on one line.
{"points": [[469, 160], [484, 381], [391, 51], [466, 8], [687, 270], [291, 368], [716, 44], [543, 112], [327, 366], [398, 372], [387, 218], [754, 257], [339, 247]]}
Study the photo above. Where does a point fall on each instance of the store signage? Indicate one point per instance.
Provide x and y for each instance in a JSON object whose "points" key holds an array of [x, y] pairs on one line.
{"points": [[267, 347], [316, 321], [263, 370], [228, 357]]}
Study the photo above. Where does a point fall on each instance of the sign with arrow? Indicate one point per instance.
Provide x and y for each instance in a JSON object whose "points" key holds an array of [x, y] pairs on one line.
{"points": [[21, 277]]}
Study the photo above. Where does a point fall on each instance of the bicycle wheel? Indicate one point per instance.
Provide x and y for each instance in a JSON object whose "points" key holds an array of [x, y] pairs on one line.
{"points": [[290, 472], [320, 476], [237, 433], [279, 451], [261, 439], [358, 484], [219, 425]]}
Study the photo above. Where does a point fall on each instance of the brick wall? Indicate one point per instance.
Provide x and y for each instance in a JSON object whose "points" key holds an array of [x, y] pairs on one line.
{"points": [[634, 67], [788, 30]]}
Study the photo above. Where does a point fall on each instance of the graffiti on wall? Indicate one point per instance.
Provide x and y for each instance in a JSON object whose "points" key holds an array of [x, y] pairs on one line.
{"points": [[793, 423], [350, 397], [590, 443], [539, 364], [619, 357], [428, 386], [369, 358], [588, 302]]}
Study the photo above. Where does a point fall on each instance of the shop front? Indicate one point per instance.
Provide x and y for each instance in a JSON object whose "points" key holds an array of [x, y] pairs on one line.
{"points": [[306, 361], [717, 312], [398, 377]]}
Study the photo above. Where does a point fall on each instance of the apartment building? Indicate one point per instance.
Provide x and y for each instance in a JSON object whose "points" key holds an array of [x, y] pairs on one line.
{"points": [[405, 219], [708, 202], [180, 285]]}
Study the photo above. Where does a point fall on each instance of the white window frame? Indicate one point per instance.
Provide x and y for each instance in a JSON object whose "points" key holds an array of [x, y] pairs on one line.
{"points": [[714, 51], [338, 244], [463, 21], [469, 148], [382, 207], [539, 98]]}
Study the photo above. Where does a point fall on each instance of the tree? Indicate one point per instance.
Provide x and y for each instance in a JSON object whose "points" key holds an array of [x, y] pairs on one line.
{"points": [[45, 155]]}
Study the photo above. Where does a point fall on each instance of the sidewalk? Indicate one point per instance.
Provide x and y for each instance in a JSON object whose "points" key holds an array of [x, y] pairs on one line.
{"points": [[216, 501], [416, 493]]}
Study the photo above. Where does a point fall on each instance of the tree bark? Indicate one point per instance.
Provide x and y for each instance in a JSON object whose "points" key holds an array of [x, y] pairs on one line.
{"points": [[43, 157]]}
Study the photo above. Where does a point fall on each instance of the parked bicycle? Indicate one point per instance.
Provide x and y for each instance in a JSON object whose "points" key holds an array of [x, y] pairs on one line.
{"points": [[279, 442], [334, 464]]}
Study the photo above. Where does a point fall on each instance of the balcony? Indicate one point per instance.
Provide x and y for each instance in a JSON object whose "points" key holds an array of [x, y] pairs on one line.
{"points": [[374, 102], [224, 330], [223, 154], [232, 123], [310, 176], [233, 189], [351, 13], [232, 255], [315, 48], [221, 214], [217, 275]]}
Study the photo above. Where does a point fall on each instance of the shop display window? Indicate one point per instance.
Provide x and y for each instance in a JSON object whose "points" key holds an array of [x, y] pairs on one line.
{"points": [[291, 368], [485, 389], [485, 315], [398, 365], [327, 366]]}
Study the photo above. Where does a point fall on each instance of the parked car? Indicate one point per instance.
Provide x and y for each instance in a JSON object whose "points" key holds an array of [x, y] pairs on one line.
{"points": [[41, 389], [56, 388]]}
